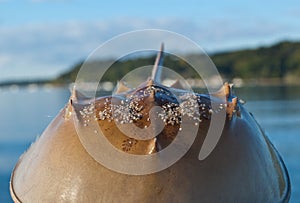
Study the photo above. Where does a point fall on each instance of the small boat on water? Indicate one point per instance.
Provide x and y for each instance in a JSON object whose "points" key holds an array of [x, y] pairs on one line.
{"points": [[62, 166]]}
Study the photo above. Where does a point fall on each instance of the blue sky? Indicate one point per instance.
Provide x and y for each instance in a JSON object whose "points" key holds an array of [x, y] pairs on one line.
{"points": [[42, 38]]}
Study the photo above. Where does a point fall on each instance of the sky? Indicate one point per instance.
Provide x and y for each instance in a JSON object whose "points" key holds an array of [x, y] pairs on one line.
{"points": [[43, 38]]}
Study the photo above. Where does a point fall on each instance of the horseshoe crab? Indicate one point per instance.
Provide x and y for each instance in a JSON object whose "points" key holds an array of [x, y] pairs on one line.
{"points": [[243, 167]]}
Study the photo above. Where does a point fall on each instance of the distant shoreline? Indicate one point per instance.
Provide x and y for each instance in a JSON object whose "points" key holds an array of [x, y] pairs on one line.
{"points": [[237, 82], [276, 65]]}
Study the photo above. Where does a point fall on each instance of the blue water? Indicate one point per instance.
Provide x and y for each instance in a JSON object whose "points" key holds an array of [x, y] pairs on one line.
{"points": [[24, 115], [26, 112]]}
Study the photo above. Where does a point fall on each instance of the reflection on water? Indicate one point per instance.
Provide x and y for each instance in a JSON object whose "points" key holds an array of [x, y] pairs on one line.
{"points": [[26, 112], [269, 93]]}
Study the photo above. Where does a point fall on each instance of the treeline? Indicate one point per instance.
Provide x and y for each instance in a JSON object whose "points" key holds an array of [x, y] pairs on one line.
{"points": [[281, 61], [118, 69], [278, 61]]}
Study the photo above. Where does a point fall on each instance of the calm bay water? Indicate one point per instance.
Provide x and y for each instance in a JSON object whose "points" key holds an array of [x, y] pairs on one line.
{"points": [[26, 112]]}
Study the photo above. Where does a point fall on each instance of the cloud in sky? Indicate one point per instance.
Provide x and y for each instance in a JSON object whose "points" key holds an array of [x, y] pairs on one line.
{"points": [[45, 50]]}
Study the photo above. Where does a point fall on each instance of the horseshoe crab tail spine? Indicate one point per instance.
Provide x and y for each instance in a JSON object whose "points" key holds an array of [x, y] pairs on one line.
{"points": [[156, 71]]}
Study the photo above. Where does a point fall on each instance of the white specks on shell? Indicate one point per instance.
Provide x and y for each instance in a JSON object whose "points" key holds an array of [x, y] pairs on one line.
{"points": [[130, 108], [189, 107], [171, 114], [126, 112], [87, 113]]}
